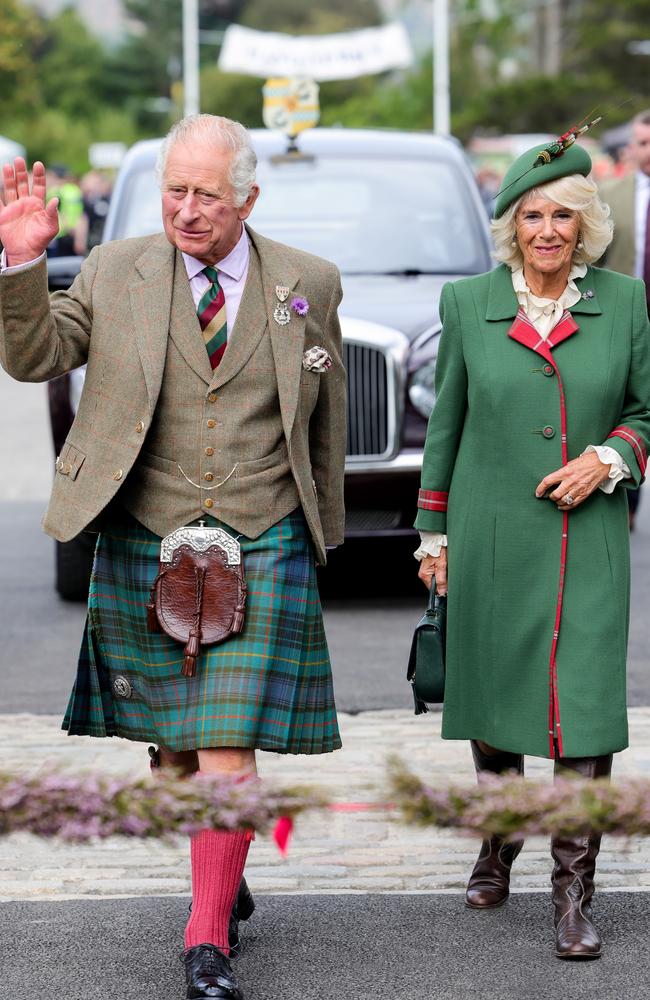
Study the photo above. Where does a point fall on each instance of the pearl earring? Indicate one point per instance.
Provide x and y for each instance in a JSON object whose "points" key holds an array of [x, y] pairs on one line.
{"points": [[579, 244], [513, 241]]}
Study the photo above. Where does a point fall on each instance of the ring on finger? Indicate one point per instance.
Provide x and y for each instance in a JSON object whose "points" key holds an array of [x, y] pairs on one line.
{"points": [[568, 499]]}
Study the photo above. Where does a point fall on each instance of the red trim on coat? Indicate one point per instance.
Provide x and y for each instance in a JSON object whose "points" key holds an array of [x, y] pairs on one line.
{"points": [[431, 500], [525, 333], [627, 434]]}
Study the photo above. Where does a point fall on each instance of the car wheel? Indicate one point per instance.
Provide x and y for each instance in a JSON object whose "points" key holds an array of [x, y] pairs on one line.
{"points": [[74, 563]]}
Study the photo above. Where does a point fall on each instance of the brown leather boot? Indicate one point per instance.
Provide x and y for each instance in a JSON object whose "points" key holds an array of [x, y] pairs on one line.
{"points": [[489, 883], [573, 874]]}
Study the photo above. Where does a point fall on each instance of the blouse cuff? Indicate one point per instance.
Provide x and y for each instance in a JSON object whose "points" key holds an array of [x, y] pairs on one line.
{"points": [[431, 544], [618, 468]]}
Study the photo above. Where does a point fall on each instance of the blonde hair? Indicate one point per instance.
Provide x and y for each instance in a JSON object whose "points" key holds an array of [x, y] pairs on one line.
{"points": [[575, 192]]}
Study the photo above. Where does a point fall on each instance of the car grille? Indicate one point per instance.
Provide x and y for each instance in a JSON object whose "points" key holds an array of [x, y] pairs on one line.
{"points": [[368, 393]]}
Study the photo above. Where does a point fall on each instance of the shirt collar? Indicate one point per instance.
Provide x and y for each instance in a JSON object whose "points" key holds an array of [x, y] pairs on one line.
{"points": [[233, 265], [520, 286], [642, 181]]}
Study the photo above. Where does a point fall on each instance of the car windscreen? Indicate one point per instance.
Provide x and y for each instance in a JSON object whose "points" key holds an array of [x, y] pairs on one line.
{"points": [[368, 216]]}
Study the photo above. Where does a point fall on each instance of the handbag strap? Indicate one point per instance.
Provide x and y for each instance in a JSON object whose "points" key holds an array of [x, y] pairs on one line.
{"points": [[432, 595]]}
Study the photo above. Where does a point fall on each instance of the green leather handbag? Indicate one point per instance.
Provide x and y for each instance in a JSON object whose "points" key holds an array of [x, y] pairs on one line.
{"points": [[426, 667]]}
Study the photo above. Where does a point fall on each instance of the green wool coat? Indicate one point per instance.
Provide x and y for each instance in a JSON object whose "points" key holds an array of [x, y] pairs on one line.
{"points": [[538, 604]]}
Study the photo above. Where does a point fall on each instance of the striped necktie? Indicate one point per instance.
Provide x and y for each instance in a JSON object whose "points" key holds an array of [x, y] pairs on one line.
{"points": [[211, 311]]}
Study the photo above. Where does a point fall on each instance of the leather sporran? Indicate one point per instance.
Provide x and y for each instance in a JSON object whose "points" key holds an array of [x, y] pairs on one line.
{"points": [[426, 666], [199, 595]]}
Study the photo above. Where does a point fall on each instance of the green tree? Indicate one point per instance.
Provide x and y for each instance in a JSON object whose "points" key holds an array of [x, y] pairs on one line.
{"points": [[296, 17], [140, 73], [69, 63], [19, 34]]}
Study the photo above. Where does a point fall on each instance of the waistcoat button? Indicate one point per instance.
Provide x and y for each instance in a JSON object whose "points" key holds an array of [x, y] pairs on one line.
{"points": [[209, 477], [208, 503], [212, 423], [212, 397], [209, 451]]}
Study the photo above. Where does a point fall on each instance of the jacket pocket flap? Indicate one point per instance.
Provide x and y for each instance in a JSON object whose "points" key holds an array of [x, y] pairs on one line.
{"points": [[70, 461]]}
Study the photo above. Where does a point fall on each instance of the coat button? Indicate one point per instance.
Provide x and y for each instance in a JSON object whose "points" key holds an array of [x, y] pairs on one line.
{"points": [[208, 503], [548, 431], [212, 397], [139, 427], [209, 451], [66, 469], [548, 370], [117, 475], [212, 423], [209, 477]]}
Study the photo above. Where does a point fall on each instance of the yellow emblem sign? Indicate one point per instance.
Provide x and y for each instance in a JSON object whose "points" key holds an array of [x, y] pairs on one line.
{"points": [[290, 104]]}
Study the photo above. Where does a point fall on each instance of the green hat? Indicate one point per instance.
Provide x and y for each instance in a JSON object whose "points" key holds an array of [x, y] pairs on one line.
{"points": [[550, 164]]}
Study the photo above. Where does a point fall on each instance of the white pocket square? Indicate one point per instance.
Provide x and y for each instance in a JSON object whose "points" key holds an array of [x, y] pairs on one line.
{"points": [[316, 359]]}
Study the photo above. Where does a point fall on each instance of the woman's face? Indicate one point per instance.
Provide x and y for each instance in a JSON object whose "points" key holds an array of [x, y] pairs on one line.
{"points": [[547, 234]]}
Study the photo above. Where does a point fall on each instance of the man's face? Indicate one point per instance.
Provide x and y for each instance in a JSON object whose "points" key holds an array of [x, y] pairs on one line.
{"points": [[639, 147], [198, 210]]}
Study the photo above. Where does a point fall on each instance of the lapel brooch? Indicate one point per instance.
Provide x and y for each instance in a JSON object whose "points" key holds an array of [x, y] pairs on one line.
{"points": [[588, 295], [282, 312]]}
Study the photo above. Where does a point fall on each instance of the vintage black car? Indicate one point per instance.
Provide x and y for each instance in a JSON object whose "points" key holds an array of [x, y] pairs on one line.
{"points": [[400, 215]]}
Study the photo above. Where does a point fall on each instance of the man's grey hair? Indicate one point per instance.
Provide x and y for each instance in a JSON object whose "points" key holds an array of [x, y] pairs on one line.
{"points": [[575, 192], [222, 133]]}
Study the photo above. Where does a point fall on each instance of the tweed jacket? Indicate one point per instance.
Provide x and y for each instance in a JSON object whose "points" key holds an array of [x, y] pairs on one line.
{"points": [[621, 253], [118, 317]]}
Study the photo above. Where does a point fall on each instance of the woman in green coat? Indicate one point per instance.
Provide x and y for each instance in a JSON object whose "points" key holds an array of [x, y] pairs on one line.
{"points": [[541, 422]]}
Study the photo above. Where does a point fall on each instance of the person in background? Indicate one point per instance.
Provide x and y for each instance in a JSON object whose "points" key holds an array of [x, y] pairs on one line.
{"points": [[629, 200], [62, 185], [542, 418], [96, 188]]}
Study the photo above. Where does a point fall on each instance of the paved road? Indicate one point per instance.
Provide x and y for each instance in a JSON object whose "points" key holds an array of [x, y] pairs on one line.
{"points": [[364, 947]]}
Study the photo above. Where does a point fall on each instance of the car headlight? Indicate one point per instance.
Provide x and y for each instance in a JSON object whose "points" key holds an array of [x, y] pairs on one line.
{"points": [[422, 393]]}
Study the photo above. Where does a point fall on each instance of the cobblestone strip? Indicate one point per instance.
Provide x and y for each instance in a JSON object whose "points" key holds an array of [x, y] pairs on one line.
{"points": [[338, 852]]}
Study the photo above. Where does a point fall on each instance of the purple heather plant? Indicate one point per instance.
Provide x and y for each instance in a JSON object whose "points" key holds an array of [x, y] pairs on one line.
{"points": [[300, 305], [97, 806]]}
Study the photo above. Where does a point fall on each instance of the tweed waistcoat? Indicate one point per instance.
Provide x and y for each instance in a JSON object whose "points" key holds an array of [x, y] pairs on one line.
{"points": [[217, 448]]}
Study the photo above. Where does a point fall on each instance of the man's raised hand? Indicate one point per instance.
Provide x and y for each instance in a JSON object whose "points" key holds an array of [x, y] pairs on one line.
{"points": [[27, 224]]}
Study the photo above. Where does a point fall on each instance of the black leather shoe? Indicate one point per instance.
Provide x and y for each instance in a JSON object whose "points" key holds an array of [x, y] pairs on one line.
{"points": [[242, 909], [209, 974]]}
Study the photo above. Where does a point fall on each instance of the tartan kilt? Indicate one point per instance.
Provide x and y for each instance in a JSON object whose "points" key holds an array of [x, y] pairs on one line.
{"points": [[268, 688]]}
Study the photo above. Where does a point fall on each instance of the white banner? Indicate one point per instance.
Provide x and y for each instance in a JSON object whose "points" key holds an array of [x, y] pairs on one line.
{"points": [[319, 57]]}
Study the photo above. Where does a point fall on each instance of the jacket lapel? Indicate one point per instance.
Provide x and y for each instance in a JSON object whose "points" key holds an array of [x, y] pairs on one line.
{"points": [[287, 342], [249, 326], [184, 326], [151, 296], [503, 304]]}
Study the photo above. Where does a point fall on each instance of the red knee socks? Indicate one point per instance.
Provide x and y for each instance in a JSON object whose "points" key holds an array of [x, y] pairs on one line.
{"points": [[218, 860]]}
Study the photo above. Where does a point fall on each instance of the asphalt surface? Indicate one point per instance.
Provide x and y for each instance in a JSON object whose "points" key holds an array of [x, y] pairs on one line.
{"points": [[420, 947]]}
